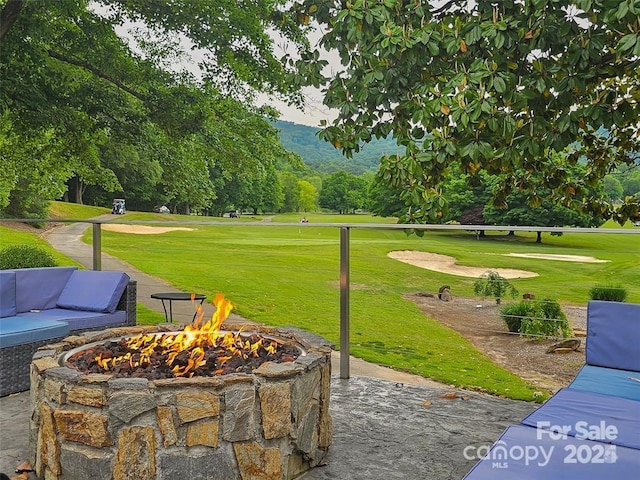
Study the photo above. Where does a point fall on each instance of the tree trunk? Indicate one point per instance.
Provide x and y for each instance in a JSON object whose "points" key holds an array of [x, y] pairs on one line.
{"points": [[78, 192], [75, 187], [9, 15], [83, 187], [539, 237]]}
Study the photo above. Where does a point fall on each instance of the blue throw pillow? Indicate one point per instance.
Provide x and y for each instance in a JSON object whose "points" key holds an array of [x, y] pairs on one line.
{"points": [[39, 288], [93, 291], [7, 294], [613, 334]]}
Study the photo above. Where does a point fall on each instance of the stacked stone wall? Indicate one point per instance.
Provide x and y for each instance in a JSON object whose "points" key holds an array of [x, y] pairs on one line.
{"points": [[271, 424]]}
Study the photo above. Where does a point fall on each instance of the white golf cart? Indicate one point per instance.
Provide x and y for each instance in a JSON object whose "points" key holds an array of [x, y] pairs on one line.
{"points": [[118, 207]]}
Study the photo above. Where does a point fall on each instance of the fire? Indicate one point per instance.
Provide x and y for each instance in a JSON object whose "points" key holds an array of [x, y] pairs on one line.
{"points": [[198, 345]]}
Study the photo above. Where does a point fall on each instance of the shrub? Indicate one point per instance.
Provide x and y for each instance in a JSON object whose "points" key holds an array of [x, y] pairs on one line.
{"points": [[24, 202], [491, 284], [25, 256], [609, 293], [547, 320], [513, 313], [543, 318]]}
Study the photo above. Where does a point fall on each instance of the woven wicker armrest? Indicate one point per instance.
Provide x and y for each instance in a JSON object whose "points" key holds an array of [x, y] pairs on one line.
{"points": [[15, 363], [128, 302]]}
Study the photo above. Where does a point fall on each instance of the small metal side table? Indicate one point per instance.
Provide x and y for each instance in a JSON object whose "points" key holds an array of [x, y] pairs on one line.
{"points": [[177, 297]]}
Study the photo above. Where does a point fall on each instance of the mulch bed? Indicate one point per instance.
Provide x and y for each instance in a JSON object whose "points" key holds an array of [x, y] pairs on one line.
{"points": [[480, 323]]}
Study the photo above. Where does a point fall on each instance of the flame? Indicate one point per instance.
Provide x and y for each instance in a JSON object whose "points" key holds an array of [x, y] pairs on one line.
{"points": [[186, 351]]}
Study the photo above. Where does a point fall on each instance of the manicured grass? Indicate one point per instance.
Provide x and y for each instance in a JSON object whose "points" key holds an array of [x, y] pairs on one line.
{"points": [[289, 275], [75, 211], [330, 218], [10, 236], [146, 316], [132, 216], [567, 282]]}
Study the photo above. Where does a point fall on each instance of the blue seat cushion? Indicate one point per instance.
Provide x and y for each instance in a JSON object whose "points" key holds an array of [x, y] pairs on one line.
{"points": [[594, 416], [7, 293], [613, 330], [39, 288], [20, 331], [608, 381], [526, 453], [78, 319], [93, 291]]}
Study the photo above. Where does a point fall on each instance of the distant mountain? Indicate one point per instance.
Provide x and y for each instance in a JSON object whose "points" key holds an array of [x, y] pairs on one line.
{"points": [[324, 157]]}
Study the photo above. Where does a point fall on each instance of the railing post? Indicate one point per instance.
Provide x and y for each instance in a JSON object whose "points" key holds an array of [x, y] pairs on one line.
{"points": [[344, 302], [97, 246]]}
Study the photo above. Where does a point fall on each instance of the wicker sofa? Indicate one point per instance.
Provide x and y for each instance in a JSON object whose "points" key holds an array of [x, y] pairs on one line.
{"points": [[589, 430], [41, 305]]}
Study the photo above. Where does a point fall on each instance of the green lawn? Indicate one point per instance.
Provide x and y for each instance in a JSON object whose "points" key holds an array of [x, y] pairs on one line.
{"points": [[75, 211], [283, 275], [289, 275], [10, 236]]}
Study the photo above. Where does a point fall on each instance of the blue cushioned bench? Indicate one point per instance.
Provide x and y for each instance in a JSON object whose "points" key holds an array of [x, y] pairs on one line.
{"points": [[42, 305], [602, 418], [608, 381], [524, 453], [591, 428]]}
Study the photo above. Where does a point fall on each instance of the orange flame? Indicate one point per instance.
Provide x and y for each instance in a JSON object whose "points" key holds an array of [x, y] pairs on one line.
{"points": [[196, 339]]}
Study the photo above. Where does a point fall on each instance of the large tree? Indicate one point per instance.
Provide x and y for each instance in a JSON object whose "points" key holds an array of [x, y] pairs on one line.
{"points": [[71, 79], [308, 196], [291, 192], [235, 48], [545, 213], [493, 86], [343, 192]]}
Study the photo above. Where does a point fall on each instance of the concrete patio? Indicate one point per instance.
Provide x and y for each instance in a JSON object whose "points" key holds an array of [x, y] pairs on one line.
{"points": [[382, 429]]}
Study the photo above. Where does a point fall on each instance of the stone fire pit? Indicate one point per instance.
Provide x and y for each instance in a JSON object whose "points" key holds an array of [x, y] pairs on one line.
{"points": [[273, 423]]}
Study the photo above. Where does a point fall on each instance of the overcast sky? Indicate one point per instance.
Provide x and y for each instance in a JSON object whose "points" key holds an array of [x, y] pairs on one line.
{"points": [[314, 112], [187, 58]]}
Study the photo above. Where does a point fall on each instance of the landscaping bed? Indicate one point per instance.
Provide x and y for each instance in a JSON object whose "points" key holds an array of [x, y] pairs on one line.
{"points": [[480, 323]]}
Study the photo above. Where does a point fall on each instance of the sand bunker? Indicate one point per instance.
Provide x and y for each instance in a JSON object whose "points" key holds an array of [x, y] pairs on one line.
{"points": [[140, 229], [562, 258], [447, 264]]}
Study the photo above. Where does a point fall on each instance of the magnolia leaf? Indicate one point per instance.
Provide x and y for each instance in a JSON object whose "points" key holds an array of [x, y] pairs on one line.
{"points": [[449, 396]]}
